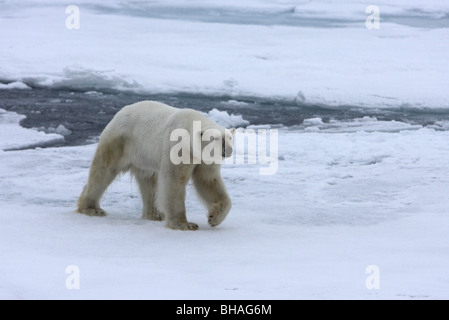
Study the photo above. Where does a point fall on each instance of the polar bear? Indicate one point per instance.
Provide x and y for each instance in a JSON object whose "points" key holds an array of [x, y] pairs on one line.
{"points": [[141, 139]]}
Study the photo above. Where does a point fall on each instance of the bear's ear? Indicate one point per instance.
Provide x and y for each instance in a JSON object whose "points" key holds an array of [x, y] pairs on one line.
{"points": [[204, 130], [232, 131]]}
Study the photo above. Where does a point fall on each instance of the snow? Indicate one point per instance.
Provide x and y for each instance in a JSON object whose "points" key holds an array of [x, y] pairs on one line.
{"points": [[14, 85], [60, 130], [13, 136], [235, 103], [227, 120], [367, 124], [347, 195], [339, 203], [313, 121], [288, 47]]}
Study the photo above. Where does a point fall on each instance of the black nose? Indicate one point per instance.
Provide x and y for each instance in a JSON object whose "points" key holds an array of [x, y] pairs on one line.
{"points": [[227, 152]]}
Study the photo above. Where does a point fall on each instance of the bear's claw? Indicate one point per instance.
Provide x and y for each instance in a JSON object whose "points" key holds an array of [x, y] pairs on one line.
{"points": [[184, 226], [212, 220], [191, 226], [93, 212], [158, 217]]}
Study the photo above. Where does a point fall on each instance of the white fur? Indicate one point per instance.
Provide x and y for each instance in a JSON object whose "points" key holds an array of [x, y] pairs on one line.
{"points": [[138, 140]]}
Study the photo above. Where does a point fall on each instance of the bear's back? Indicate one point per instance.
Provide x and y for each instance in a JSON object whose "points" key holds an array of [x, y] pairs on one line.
{"points": [[154, 119], [145, 111], [139, 118]]}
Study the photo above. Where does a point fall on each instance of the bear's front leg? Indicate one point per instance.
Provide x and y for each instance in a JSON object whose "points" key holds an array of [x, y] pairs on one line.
{"points": [[171, 197], [218, 211], [212, 191]]}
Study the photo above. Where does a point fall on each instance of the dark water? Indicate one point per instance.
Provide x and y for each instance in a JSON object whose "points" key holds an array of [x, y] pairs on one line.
{"points": [[86, 115]]}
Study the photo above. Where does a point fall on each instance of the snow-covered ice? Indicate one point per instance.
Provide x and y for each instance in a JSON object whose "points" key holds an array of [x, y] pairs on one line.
{"points": [[340, 202], [168, 46], [346, 195], [368, 124], [13, 136], [14, 85], [60, 130], [225, 119]]}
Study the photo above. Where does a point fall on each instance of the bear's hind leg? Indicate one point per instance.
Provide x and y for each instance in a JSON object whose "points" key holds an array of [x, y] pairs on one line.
{"points": [[89, 201], [147, 182], [105, 167]]}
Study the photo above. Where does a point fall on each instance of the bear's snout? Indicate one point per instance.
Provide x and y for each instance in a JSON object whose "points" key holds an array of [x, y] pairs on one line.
{"points": [[227, 152]]}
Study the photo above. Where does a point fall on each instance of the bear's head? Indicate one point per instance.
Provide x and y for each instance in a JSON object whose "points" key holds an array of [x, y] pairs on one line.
{"points": [[217, 143]]}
